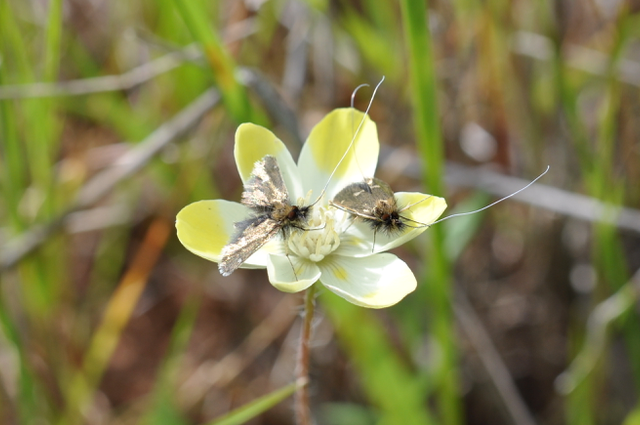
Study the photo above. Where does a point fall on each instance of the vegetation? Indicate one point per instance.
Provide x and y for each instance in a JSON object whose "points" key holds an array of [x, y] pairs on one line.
{"points": [[114, 115]]}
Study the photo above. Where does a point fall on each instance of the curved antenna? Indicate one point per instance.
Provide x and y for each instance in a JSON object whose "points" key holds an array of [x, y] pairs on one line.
{"points": [[353, 100], [353, 95], [353, 139], [492, 204]]}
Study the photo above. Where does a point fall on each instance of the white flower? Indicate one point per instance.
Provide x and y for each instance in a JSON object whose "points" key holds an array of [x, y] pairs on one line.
{"points": [[336, 251]]}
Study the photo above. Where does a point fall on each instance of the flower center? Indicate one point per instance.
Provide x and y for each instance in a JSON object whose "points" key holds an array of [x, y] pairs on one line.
{"points": [[318, 241]]}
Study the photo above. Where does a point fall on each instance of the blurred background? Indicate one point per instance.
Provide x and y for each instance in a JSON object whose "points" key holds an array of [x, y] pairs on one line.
{"points": [[115, 115]]}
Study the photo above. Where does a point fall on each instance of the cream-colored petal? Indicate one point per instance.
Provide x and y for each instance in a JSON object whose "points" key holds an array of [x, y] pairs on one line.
{"points": [[355, 244], [252, 143], [205, 227], [376, 281], [326, 145], [417, 210], [281, 273]]}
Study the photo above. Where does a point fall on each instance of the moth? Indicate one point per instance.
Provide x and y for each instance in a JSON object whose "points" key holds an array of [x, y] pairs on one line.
{"points": [[268, 198], [374, 202], [266, 195]]}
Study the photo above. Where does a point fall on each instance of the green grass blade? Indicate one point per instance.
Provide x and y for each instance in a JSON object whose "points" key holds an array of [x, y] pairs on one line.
{"points": [[256, 407], [233, 93], [163, 409], [424, 93], [53, 41], [389, 385], [436, 290], [633, 418], [12, 166]]}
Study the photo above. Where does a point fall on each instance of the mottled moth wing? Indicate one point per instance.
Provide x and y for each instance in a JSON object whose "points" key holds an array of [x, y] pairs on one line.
{"points": [[265, 187], [266, 195], [374, 202], [251, 235], [362, 198]]}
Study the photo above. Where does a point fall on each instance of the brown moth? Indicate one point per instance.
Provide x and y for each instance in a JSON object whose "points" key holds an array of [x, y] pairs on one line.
{"points": [[374, 202], [268, 198], [266, 195]]}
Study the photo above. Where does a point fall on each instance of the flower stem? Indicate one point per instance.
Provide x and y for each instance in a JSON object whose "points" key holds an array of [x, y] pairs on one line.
{"points": [[302, 410]]}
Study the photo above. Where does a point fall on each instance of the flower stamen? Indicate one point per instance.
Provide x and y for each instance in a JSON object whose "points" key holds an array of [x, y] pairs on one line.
{"points": [[316, 243]]}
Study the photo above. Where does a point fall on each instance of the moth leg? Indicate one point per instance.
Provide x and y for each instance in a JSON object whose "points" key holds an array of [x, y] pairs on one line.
{"points": [[292, 267], [374, 239], [351, 221], [313, 228], [286, 252]]}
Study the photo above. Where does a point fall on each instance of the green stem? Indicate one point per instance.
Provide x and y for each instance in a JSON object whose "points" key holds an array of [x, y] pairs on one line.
{"points": [[437, 287], [302, 410]]}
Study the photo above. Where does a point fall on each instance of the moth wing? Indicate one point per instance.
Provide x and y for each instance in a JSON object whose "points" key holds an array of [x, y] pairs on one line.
{"points": [[265, 186], [380, 190], [252, 235], [361, 198], [353, 211], [356, 196]]}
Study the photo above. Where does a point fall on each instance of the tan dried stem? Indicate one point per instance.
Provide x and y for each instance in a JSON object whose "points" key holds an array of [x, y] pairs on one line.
{"points": [[301, 407]]}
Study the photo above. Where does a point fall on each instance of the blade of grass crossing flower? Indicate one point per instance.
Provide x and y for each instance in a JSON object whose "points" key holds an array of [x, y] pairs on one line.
{"points": [[256, 407], [436, 290], [387, 383]]}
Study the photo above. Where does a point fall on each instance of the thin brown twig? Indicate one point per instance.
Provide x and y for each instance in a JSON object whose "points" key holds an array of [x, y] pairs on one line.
{"points": [[539, 195], [127, 80], [124, 81], [222, 372], [544, 196], [598, 323], [492, 361], [302, 409], [275, 104], [592, 61]]}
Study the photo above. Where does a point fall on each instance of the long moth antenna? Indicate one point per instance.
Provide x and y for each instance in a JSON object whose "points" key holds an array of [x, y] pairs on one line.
{"points": [[493, 203], [468, 212], [353, 100], [353, 139]]}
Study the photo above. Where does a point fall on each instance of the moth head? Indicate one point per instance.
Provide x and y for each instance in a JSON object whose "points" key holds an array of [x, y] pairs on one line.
{"points": [[297, 213]]}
